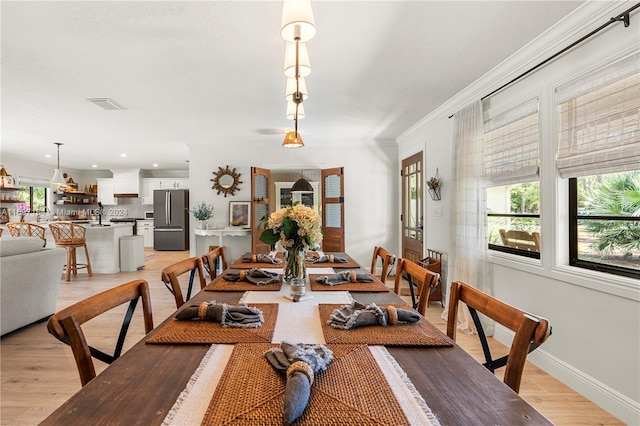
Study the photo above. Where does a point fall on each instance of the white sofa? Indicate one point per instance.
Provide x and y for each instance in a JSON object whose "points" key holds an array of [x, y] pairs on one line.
{"points": [[29, 281]]}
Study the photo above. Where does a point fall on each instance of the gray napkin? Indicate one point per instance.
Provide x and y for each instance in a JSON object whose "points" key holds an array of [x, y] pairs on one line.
{"points": [[325, 259], [344, 278], [300, 362], [254, 276], [262, 258], [238, 316], [348, 317]]}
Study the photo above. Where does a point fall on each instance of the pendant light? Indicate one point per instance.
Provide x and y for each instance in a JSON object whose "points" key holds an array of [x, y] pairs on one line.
{"points": [[298, 27], [302, 185], [57, 175]]}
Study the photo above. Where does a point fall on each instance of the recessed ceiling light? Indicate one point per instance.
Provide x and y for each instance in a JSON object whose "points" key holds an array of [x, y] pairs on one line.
{"points": [[94, 165], [155, 164], [123, 155], [48, 155]]}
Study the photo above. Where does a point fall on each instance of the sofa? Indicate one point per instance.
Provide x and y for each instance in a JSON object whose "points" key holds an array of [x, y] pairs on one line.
{"points": [[29, 281]]}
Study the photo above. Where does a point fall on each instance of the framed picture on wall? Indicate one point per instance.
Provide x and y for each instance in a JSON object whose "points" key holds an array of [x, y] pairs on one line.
{"points": [[240, 213]]}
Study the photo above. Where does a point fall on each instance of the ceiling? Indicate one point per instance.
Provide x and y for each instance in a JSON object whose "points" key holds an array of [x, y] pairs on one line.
{"points": [[211, 72]]}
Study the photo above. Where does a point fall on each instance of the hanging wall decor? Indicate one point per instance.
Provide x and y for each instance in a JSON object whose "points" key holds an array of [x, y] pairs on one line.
{"points": [[226, 181]]}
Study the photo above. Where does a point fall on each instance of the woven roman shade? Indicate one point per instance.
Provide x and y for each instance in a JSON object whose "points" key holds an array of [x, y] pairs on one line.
{"points": [[599, 128], [512, 145]]}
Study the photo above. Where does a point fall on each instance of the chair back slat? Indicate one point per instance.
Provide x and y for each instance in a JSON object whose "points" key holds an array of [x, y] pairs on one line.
{"points": [[66, 325], [67, 233], [387, 258], [170, 277], [210, 260], [24, 229], [424, 281], [530, 331]]}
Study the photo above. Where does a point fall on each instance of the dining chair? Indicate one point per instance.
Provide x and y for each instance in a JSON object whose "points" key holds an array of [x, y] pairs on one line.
{"points": [[25, 229], [387, 258], [71, 236], [65, 325], [213, 258], [171, 273], [422, 282], [433, 262], [530, 330]]}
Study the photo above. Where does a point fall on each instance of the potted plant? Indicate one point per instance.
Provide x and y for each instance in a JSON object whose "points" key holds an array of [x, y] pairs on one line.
{"points": [[433, 185], [202, 212]]}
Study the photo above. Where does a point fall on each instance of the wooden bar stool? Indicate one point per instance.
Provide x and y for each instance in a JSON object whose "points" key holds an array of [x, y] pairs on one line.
{"points": [[23, 229], [70, 237]]}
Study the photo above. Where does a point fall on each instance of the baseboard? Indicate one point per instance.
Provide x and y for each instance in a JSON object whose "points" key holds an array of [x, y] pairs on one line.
{"points": [[619, 405]]}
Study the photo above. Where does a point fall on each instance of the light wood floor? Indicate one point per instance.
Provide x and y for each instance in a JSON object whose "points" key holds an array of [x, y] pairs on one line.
{"points": [[39, 373]]}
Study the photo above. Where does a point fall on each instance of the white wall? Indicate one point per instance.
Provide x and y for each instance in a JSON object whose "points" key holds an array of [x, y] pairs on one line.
{"points": [[595, 346], [370, 177]]}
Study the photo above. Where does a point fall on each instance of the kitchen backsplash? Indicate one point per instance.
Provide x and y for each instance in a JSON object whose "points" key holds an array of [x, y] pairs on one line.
{"points": [[126, 207]]}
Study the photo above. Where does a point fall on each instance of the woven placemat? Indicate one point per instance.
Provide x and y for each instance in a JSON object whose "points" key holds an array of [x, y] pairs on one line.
{"points": [[374, 287], [220, 284], [353, 390], [421, 333], [208, 332]]}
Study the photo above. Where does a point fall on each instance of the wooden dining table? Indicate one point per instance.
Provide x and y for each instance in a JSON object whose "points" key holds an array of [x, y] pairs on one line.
{"points": [[143, 384]]}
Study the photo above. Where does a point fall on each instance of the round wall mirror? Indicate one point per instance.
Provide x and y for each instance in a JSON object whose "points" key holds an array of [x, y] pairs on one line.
{"points": [[226, 180]]}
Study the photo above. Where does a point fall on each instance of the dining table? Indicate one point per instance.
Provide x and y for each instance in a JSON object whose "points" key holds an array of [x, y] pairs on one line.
{"points": [[161, 379]]}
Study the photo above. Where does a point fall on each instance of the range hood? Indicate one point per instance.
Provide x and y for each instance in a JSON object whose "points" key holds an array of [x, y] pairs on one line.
{"points": [[126, 183]]}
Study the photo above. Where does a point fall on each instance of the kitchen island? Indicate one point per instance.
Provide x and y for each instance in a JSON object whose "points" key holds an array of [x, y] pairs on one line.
{"points": [[103, 243]]}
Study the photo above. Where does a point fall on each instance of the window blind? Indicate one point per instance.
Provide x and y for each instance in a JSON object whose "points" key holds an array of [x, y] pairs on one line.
{"points": [[511, 145], [599, 114]]}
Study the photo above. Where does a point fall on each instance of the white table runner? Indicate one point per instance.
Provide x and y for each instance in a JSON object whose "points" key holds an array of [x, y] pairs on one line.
{"points": [[191, 406], [297, 322]]}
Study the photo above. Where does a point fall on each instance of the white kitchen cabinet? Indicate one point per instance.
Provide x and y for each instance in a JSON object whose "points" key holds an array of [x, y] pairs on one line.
{"points": [[174, 183], [105, 191], [148, 186], [145, 228]]}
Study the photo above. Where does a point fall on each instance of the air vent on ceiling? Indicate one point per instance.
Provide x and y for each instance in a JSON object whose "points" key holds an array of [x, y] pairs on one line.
{"points": [[106, 103]]}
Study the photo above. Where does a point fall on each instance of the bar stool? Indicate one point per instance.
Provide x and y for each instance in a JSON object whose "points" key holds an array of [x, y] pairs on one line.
{"points": [[70, 237], [23, 229]]}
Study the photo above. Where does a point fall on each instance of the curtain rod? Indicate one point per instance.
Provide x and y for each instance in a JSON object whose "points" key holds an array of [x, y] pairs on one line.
{"points": [[623, 17]]}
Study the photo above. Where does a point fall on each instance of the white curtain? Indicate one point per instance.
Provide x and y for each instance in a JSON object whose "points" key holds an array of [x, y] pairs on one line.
{"points": [[467, 253]]}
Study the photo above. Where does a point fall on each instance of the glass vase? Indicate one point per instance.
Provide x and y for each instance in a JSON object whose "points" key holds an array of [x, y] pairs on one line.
{"points": [[295, 266]]}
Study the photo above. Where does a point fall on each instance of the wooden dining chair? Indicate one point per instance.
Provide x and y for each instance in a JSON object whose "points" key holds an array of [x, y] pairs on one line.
{"points": [[25, 229], [66, 324], [422, 282], [210, 260], [531, 331], [387, 258], [171, 273]]}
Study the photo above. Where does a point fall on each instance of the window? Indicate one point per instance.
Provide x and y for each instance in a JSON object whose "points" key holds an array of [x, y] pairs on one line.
{"points": [[511, 150], [35, 197], [605, 223], [599, 152], [285, 198]]}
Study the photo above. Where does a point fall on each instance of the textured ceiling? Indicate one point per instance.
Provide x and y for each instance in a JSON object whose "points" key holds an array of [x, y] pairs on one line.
{"points": [[211, 72]]}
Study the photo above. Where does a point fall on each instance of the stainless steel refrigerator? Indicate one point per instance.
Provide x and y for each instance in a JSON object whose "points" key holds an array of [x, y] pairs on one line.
{"points": [[171, 219]]}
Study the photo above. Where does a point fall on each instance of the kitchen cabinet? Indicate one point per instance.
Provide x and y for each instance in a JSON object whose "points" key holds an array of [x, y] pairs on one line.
{"points": [[174, 183], [149, 185], [145, 228], [105, 191]]}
